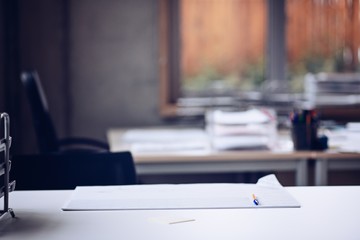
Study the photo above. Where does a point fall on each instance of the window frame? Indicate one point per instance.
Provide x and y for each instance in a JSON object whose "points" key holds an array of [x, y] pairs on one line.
{"points": [[168, 106]]}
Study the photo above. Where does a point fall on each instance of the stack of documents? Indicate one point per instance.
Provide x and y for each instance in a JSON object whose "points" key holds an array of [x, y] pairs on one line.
{"points": [[332, 88], [345, 139], [250, 129], [266, 193], [164, 140]]}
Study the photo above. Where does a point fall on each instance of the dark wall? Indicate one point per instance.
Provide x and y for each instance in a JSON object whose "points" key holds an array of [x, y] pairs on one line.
{"points": [[2, 56], [113, 65], [42, 34], [9, 60], [98, 62]]}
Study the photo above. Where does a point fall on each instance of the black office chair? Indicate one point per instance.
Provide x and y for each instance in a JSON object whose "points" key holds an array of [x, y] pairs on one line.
{"points": [[44, 129], [66, 171]]}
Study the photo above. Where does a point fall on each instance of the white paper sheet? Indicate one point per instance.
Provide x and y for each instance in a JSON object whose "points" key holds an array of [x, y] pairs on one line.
{"points": [[268, 191]]}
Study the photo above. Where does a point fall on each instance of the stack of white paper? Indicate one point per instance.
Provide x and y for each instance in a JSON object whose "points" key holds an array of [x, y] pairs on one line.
{"points": [[254, 128], [164, 140], [345, 139], [268, 191]]}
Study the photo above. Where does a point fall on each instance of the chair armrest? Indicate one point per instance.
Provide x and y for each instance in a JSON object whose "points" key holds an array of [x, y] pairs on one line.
{"points": [[82, 144]]}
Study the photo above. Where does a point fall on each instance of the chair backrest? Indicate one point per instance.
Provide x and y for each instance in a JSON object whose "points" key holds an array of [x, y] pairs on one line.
{"points": [[66, 171], [44, 128]]}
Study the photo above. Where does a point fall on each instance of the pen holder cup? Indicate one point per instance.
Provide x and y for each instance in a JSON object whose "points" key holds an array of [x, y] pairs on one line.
{"points": [[304, 136]]}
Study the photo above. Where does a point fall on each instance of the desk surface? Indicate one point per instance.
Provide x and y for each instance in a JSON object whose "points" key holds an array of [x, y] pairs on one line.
{"points": [[326, 213], [212, 161], [282, 154]]}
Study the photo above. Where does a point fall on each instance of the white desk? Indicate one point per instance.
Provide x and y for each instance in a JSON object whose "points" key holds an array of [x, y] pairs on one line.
{"points": [[240, 161], [214, 161], [326, 213], [223, 162]]}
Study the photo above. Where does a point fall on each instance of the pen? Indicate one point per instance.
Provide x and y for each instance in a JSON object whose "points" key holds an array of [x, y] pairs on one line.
{"points": [[182, 221], [256, 201]]}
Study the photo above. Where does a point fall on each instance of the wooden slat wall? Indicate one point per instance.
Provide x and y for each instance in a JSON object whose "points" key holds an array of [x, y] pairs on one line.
{"points": [[227, 34]]}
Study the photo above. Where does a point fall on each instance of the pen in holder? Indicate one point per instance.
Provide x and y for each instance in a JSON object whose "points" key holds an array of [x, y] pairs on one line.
{"points": [[304, 126]]}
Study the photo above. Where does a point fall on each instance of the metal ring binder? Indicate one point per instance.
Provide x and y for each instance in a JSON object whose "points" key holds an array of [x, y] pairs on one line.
{"points": [[6, 187]]}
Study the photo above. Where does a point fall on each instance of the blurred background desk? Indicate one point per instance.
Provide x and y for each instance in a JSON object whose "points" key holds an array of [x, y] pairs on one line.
{"points": [[327, 161], [210, 161], [223, 162]]}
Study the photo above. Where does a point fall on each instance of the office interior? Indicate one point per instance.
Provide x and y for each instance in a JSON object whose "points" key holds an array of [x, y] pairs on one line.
{"points": [[99, 65]]}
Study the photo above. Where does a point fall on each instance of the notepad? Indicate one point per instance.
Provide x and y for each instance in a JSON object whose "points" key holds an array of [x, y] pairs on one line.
{"points": [[270, 194]]}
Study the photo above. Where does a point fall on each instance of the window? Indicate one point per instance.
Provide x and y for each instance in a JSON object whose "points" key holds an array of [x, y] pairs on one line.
{"points": [[230, 51], [321, 36], [222, 46]]}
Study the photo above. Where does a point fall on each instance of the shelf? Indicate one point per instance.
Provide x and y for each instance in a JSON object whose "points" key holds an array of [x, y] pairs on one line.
{"points": [[5, 166]]}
